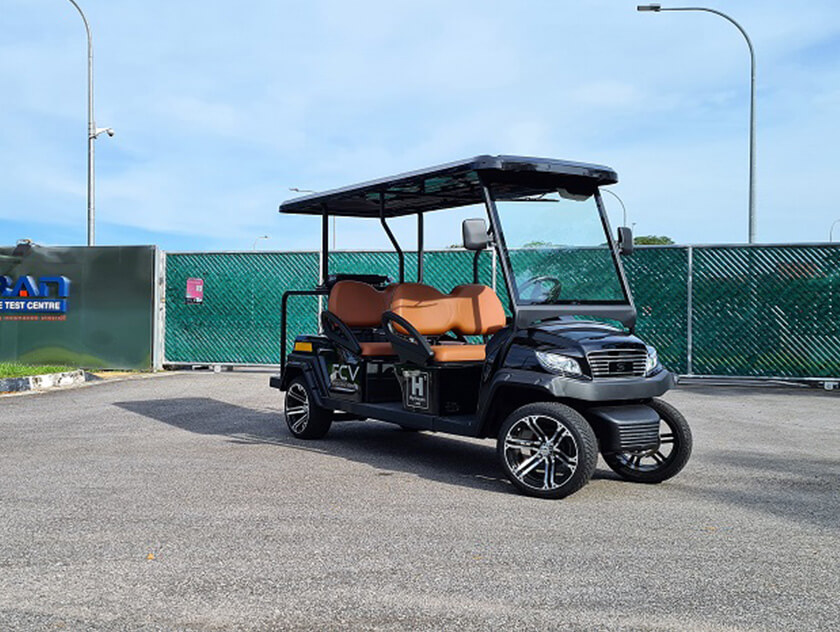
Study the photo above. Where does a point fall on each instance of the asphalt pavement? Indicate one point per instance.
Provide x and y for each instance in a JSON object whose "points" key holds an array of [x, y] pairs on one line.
{"points": [[181, 502]]}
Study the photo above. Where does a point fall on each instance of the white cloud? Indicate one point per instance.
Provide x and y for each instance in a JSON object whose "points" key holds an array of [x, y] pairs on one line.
{"points": [[219, 110]]}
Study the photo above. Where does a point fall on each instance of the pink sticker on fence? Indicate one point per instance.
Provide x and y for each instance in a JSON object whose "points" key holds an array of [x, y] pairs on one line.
{"points": [[195, 290]]}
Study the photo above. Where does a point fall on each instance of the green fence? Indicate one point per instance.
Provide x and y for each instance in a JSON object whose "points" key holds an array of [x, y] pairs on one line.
{"points": [[754, 311]]}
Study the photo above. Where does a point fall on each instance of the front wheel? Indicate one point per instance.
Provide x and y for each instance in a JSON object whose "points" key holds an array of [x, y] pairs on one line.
{"points": [[655, 466], [305, 419], [547, 450]]}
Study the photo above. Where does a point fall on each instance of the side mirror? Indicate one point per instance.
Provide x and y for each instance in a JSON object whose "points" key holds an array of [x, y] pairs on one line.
{"points": [[625, 240], [475, 234]]}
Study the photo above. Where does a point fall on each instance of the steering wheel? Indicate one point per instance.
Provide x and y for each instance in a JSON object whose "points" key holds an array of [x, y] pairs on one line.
{"points": [[538, 293]]}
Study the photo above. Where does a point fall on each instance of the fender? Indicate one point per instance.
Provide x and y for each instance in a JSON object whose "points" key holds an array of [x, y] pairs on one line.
{"points": [[505, 378], [557, 387], [307, 365]]}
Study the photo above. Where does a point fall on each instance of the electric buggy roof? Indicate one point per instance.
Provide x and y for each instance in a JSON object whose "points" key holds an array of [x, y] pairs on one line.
{"points": [[451, 185]]}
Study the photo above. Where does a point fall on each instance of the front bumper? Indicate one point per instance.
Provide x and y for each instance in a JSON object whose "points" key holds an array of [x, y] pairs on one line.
{"points": [[597, 390]]}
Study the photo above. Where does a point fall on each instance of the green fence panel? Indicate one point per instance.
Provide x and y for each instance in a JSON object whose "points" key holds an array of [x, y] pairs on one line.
{"points": [[658, 278], [767, 311], [239, 319], [770, 311], [442, 269], [384, 263]]}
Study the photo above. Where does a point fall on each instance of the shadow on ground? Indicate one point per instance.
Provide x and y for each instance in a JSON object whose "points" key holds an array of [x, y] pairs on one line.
{"points": [[381, 445], [794, 486]]}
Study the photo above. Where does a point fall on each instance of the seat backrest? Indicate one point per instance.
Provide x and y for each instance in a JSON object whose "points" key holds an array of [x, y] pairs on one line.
{"points": [[359, 304], [424, 307], [468, 309], [479, 310]]}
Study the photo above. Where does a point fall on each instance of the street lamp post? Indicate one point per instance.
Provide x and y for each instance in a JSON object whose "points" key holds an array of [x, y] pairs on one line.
{"points": [[254, 247], [297, 190], [831, 230], [620, 201], [656, 8], [93, 133]]}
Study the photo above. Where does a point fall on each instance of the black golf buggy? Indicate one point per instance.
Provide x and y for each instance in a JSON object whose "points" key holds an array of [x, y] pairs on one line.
{"points": [[557, 377]]}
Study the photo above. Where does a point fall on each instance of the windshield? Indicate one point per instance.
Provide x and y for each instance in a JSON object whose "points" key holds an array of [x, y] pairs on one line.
{"points": [[558, 250]]}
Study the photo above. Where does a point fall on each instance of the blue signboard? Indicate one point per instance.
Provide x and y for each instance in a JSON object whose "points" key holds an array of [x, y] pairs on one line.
{"points": [[34, 295]]}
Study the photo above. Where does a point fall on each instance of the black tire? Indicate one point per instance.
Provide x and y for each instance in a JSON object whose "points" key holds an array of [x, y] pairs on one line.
{"points": [[653, 466], [536, 438], [305, 419]]}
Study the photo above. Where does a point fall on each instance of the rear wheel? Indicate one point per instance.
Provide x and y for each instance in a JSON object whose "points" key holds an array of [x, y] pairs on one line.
{"points": [[306, 420], [547, 450], [655, 466]]}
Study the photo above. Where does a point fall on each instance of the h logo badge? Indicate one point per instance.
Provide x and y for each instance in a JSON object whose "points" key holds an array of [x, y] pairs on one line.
{"points": [[416, 389]]}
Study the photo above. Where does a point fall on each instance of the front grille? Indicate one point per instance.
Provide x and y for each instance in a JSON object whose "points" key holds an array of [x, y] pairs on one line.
{"points": [[638, 436], [617, 362]]}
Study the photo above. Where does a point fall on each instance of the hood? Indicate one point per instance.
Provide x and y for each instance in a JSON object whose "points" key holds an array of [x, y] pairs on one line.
{"points": [[582, 335], [575, 338]]}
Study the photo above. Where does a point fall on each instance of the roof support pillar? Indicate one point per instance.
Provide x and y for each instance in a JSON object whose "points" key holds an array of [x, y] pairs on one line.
{"points": [[419, 247], [325, 245], [391, 235]]}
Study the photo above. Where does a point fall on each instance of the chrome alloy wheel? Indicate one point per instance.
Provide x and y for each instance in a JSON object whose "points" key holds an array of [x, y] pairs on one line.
{"points": [[297, 408], [541, 452]]}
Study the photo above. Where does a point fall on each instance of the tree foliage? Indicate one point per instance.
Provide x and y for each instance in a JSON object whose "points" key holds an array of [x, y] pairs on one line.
{"points": [[653, 240]]}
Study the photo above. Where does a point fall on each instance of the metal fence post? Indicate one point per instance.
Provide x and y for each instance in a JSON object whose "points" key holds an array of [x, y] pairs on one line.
{"points": [[159, 311], [689, 364]]}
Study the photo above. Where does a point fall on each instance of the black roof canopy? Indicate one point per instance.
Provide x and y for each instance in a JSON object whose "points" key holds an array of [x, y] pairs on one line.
{"points": [[454, 184]]}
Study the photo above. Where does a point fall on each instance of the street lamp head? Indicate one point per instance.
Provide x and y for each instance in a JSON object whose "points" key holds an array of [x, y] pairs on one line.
{"points": [[649, 7], [106, 130]]}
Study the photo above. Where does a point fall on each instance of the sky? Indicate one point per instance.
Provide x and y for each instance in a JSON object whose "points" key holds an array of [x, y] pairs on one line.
{"points": [[220, 108]]}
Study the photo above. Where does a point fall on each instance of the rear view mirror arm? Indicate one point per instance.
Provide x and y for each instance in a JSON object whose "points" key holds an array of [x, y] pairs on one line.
{"points": [[475, 265]]}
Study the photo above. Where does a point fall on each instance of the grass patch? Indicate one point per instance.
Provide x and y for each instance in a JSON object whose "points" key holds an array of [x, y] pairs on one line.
{"points": [[13, 369]]}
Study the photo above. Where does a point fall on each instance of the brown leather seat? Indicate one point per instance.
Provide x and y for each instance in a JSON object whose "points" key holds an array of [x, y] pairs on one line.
{"points": [[425, 307], [468, 310], [458, 353], [479, 310], [360, 306], [376, 348]]}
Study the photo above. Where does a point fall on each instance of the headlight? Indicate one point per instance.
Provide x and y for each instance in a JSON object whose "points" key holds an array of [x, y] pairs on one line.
{"points": [[652, 361], [557, 363]]}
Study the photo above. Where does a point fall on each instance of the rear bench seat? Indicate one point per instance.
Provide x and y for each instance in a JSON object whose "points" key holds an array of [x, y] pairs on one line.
{"points": [[361, 306], [469, 310]]}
